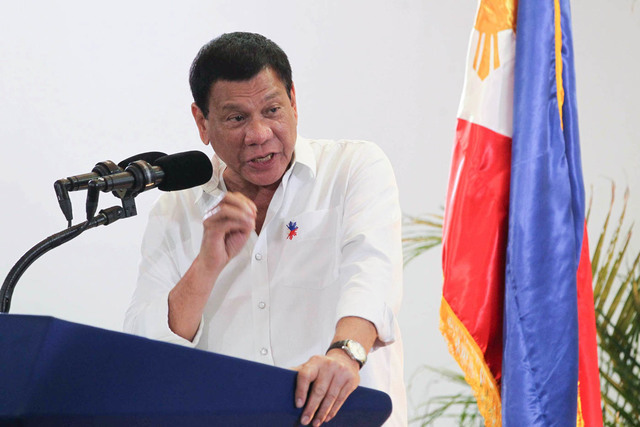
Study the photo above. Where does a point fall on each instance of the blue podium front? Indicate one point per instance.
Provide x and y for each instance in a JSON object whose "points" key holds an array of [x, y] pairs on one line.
{"points": [[54, 372]]}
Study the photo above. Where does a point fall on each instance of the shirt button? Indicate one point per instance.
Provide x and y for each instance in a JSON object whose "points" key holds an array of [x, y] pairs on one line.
{"points": [[258, 256], [261, 304], [264, 351]]}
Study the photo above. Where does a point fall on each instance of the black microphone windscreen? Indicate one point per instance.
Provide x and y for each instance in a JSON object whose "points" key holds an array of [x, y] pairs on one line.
{"points": [[149, 157], [184, 170]]}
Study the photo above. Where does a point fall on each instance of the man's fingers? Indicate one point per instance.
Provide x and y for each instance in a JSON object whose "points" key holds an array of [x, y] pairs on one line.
{"points": [[239, 201], [227, 226], [342, 385], [312, 376], [319, 393], [228, 217], [342, 397], [322, 386], [307, 373], [328, 398]]}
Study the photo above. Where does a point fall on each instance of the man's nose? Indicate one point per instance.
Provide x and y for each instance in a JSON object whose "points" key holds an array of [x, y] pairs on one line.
{"points": [[258, 131]]}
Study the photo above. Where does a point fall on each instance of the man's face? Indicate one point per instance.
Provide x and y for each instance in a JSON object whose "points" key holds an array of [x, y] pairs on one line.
{"points": [[252, 127]]}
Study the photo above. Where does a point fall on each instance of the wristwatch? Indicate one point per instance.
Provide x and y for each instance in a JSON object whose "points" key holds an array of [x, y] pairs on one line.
{"points": [[354, 349]]}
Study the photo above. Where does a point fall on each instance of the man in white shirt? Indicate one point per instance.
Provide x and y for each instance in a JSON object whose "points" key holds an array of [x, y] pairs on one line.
{"points": [[291, 254]]}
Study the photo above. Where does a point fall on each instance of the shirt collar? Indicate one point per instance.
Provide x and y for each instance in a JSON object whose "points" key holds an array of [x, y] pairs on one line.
{"points": [[303, 160], [216, 184], [303, 157]]}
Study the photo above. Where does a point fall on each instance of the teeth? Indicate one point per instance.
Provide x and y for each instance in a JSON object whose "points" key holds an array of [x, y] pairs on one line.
{"points": [[263, 159]]}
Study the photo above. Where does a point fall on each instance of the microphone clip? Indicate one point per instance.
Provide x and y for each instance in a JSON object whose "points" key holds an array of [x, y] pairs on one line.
{"points": [[139, 176], [63, 186]]}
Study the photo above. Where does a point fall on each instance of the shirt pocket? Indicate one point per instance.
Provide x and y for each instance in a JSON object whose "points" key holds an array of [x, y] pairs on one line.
{"points": [[309, 249]]}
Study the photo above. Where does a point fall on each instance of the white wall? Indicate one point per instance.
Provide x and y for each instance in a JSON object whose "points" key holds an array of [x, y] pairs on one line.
{"points": [[83, 82]]}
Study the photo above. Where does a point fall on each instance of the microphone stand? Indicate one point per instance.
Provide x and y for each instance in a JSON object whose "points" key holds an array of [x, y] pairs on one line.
{"points": [[104, 217], [141, 176]]}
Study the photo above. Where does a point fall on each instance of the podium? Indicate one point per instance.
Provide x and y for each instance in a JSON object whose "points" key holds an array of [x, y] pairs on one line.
{"points": [[59, 373]]}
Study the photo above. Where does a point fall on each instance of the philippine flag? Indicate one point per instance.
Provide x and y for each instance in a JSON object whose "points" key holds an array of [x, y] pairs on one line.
{"points": [[517, 308]]}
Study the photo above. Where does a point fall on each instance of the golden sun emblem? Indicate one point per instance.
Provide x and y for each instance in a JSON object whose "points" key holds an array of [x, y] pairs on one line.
{"points": [[493, 16]]}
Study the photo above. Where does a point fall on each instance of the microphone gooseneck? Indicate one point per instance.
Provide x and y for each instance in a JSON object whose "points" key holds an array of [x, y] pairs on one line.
{"points": [[169, 173]]}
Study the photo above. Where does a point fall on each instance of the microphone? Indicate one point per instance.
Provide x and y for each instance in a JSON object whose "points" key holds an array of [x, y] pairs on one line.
{"points": [[184, 170], [168, 173], [81, 182]]}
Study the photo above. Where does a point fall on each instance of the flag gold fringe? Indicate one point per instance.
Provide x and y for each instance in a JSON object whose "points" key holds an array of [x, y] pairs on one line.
{"points": [[470, 357], [579, 418], [466, 352]]}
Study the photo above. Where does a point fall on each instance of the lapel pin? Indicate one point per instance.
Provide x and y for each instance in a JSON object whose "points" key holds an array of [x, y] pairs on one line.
{"points": [[292, 226]]}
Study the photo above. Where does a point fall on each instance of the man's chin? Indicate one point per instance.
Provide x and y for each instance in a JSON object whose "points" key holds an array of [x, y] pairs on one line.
{"points": [[265, 178]]}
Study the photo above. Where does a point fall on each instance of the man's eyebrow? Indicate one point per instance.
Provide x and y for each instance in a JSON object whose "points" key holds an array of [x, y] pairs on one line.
{"points": [[270, 96], [235, 106], [231, 106]]}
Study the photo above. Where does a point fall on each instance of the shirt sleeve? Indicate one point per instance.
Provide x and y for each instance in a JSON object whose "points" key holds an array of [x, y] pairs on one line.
{"points": [[371, 248], [159, 272]]}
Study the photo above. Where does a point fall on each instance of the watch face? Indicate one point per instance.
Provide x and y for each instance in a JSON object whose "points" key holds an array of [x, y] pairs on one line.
{"points": [[357, 350]]}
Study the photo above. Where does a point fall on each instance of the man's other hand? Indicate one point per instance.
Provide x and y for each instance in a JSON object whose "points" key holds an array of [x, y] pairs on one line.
{"points": [[227, 227], [323, 384]]}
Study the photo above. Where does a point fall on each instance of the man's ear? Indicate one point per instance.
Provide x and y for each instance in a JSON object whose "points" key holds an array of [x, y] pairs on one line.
{"points": [[293, 100], [201, 123]]}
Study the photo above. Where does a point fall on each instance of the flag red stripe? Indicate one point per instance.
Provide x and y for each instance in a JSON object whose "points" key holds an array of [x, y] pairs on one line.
{"points": [[474, 235], [588, 372]]}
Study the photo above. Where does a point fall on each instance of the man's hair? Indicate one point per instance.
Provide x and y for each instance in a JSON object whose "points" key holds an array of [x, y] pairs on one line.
{"points": [[235, 57]]}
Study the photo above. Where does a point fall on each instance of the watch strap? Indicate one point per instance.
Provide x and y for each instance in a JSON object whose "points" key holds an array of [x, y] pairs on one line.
{"points": [[344, 345]]}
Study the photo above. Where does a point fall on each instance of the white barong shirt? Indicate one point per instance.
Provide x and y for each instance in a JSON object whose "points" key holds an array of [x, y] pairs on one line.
{"points": [[330, 247]]}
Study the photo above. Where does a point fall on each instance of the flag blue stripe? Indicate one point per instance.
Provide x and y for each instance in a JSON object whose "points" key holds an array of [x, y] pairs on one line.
{"points": [[546, 215], [571, 134]]}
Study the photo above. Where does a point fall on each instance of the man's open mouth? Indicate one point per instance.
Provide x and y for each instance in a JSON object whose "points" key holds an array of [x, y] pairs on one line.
{"points": [[262, 159]]}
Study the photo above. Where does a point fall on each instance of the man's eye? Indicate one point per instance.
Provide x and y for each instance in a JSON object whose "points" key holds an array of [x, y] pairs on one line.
{"points": [[236, 118], [273, 110]]}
